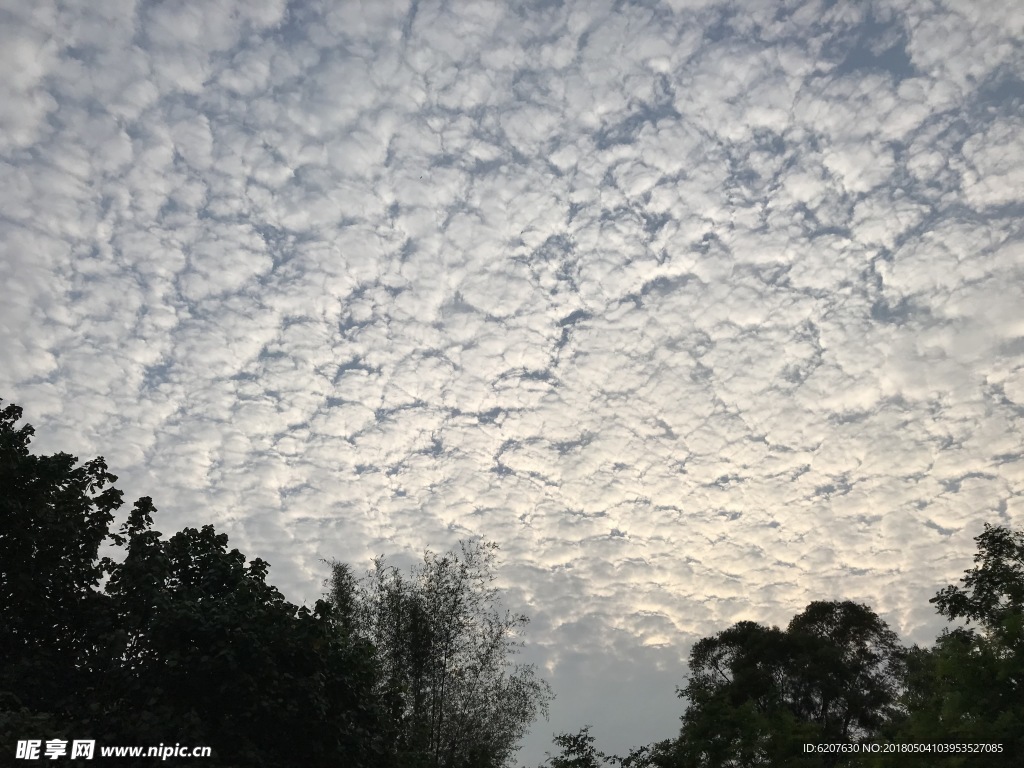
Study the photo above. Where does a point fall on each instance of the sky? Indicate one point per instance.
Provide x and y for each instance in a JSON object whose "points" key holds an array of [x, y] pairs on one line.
{"points": [[700, 310]]}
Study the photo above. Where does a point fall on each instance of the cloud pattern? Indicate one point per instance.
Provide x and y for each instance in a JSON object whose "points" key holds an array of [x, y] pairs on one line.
{"points": [[701, 309]]}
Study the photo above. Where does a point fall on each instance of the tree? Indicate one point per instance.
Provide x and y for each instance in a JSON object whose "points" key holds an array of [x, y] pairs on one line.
{"points": [[662, 754], [736, 713], [185, 644], [992, 593], [206, 645], [452, 695], [758, 694], [848, 671], [577, 751], [969, 688], [53, 518]]}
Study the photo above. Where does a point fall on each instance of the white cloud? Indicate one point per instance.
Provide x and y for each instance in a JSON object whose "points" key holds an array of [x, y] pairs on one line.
{"points": [[992, 175]]}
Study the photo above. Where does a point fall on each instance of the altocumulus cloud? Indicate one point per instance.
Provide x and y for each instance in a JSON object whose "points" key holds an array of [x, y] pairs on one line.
{"points": [[702, 310]]}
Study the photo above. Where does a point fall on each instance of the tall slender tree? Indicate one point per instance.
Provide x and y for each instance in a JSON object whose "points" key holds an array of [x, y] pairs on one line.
{"points": [[454, 695]]}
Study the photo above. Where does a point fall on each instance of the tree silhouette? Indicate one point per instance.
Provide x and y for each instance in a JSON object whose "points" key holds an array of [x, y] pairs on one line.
{"points": [[969, 688], [185, 644], [577, 751], [757, 694]]}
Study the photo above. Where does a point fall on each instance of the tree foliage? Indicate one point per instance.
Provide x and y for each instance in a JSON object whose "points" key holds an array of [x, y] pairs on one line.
{"points": [[757, 694], [577, 751], [204, 638], [992, 593], [848, 668], [451, 693], [969, 688], [54, 516], [185, 644]]}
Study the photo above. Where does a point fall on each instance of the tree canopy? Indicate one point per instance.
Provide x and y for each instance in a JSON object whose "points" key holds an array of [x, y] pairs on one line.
{"points": [[577, 750], [969, 687], [185, 643], [757, 694]]}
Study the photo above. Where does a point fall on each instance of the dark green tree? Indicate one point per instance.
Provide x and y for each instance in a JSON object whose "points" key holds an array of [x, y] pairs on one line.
{"points": [[737, 688], [54, 516], [969, 688], [848, 667], [757, 694], [452, 694], [208, 646], [577, 751], [186, 643], [662, 754]]}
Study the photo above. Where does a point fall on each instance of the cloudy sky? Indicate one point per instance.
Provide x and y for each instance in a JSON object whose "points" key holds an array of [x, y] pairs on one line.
{"points": [[701, 310]]}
